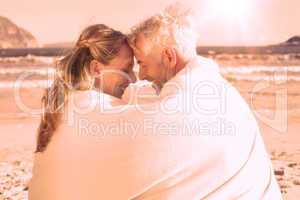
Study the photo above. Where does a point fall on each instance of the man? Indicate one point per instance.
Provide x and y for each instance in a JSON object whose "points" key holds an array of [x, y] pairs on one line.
{"points": [[233, 163]]}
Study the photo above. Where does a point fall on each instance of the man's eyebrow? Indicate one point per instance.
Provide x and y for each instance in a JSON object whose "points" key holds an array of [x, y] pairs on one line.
{"points": [[139, 62]]}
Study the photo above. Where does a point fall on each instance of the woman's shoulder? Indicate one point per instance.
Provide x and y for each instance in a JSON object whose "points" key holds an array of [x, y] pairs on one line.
{"points": [[92, 99]]}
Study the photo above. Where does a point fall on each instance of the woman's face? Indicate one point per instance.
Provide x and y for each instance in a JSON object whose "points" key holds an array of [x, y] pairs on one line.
{"points": [[118, 74]]}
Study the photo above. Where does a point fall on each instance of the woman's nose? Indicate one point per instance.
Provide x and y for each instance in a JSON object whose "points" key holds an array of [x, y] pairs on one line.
{"points": [[132, 77]]}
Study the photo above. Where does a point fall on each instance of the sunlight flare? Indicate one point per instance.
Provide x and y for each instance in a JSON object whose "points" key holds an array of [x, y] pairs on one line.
{"points": [[231, 9]]}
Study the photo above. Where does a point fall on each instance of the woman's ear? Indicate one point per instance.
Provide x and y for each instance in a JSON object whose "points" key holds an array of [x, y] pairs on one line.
{"points": [[96, 68]]}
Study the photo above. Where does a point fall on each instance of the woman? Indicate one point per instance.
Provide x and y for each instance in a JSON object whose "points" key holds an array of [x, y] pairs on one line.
{"points": [[101, 59]]}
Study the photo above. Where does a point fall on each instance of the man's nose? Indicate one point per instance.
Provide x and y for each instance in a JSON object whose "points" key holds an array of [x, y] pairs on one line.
{"points": [[141, 75]]}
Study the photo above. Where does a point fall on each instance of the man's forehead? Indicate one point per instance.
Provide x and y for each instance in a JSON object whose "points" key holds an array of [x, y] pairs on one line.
{"points": [[143, 45]]}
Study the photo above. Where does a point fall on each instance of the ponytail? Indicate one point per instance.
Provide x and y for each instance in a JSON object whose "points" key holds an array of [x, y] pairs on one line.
{"points": [[68, 77], [97, 42]]}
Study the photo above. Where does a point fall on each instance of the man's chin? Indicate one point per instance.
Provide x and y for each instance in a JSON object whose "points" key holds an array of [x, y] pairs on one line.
{"points": [[118, 93], [157, 85]]}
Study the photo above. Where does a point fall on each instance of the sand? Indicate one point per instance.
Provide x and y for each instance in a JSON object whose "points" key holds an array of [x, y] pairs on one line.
{"points": [[18, 133], [16, 156]]}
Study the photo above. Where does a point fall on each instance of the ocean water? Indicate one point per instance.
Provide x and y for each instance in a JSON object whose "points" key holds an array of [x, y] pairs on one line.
{"points": [[26, 77], [262, 73], [41, 76]]}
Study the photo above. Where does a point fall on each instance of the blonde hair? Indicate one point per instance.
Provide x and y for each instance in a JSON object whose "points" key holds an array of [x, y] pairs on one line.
{"points": [[96, 42], [173, 26]]}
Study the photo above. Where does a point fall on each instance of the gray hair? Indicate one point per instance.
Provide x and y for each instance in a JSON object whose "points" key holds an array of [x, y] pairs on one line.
{"points": [[172, 26]]}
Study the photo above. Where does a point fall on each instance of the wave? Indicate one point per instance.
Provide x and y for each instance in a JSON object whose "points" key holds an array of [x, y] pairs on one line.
{"points": [[244, 73], [256, 69], [22, 70], [281, 78], [30, 58], [25, 84], [224, 70]]}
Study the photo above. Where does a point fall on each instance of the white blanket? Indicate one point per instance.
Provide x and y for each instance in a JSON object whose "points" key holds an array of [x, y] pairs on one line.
{"points": [[198, 140]]}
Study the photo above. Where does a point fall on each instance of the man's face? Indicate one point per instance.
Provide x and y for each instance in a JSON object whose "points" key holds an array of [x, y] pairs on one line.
{"points": [[149, 58], [118, 74]]}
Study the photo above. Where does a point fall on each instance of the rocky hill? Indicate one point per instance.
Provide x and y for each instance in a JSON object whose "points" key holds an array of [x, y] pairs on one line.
{"points": [[13, 36], [293, 41]]}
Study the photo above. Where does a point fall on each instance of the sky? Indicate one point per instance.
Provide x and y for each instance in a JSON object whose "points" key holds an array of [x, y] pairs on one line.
{"points": [[219, 22]]}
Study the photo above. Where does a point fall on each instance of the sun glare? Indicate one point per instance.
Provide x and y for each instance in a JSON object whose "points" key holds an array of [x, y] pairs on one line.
{"points": [[231, 9]]}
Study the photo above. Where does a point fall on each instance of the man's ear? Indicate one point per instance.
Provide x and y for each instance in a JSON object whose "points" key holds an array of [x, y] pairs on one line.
{"points": [[96, 68], [170, 57]]}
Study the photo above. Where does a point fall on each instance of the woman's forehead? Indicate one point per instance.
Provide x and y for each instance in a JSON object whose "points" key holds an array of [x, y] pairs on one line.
{"points": [[126, 52]]}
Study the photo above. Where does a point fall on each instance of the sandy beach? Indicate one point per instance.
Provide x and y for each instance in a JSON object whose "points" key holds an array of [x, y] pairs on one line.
{"points": [[255, 43], [16, 157], [18, 129]]}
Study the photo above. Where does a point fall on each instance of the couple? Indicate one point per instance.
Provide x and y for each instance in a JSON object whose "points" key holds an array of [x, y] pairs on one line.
{"points": [[192, 137]]}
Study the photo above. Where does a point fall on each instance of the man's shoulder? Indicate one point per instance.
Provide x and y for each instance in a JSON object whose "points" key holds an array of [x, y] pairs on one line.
{"points": [[206, 63]]}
